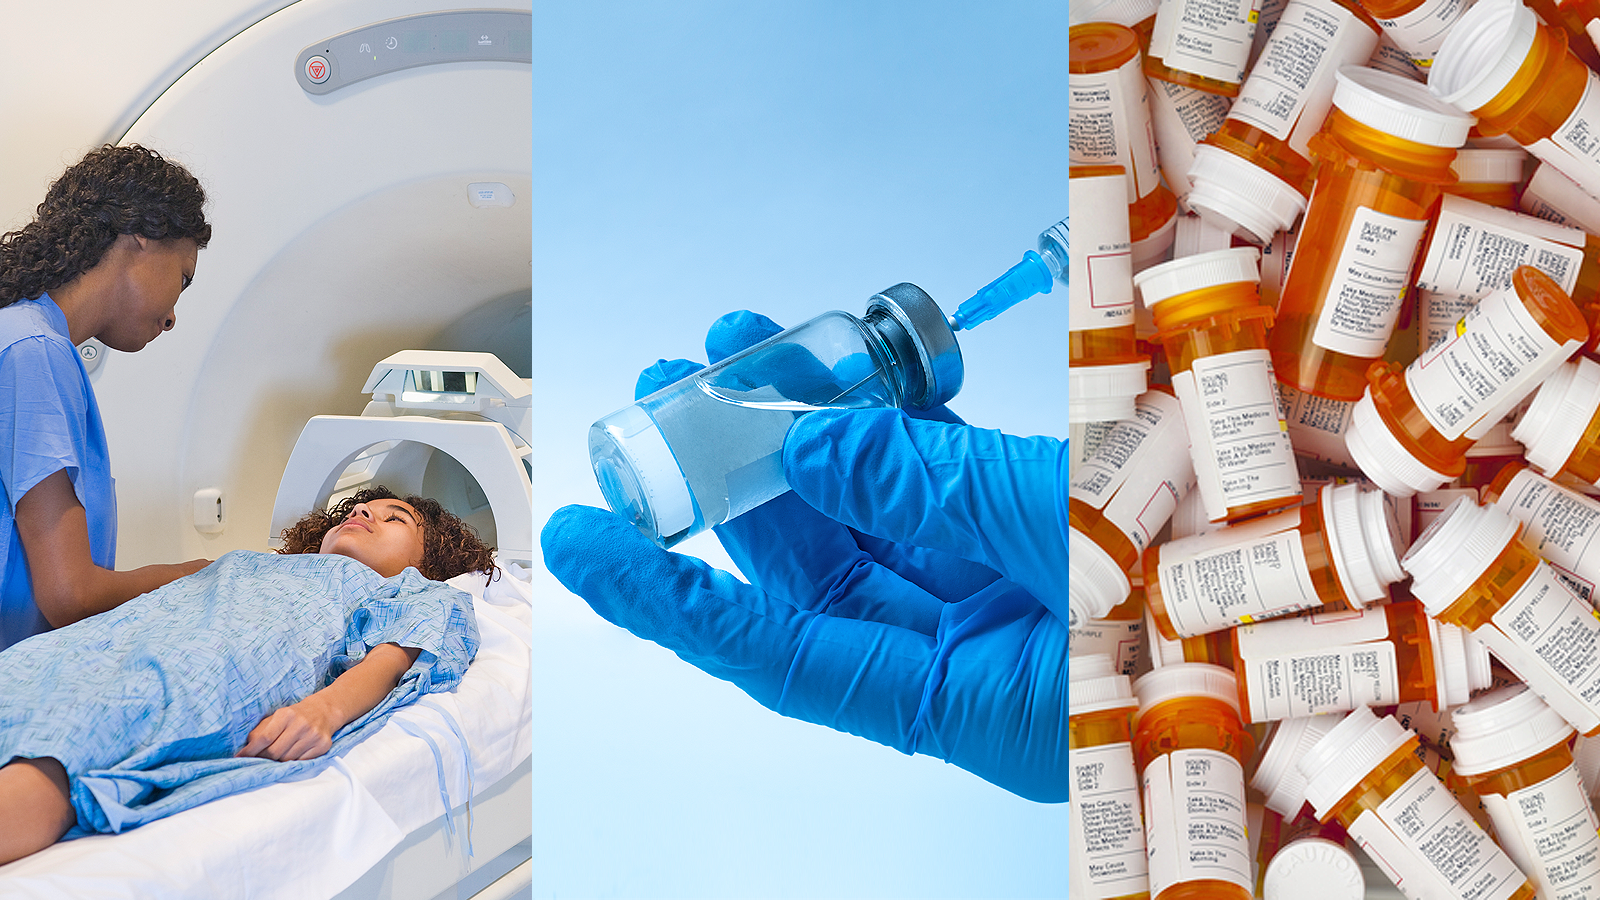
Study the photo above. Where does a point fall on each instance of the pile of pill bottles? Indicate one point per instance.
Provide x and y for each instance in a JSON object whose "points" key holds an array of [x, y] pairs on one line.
{"points": [[1333, 581]]}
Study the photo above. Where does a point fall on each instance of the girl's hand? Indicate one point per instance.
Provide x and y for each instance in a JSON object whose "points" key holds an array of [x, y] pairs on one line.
{"points": [[301, 731]]}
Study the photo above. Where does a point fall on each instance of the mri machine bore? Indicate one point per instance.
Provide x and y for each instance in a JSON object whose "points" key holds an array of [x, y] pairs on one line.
{"points": [[367, 164]]}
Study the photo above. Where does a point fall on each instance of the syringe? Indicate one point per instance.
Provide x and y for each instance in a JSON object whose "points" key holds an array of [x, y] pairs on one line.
{"points": [[1036, 274]]}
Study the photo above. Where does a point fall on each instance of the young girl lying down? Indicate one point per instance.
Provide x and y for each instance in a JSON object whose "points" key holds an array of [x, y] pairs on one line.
{"points": [[245, 673]]}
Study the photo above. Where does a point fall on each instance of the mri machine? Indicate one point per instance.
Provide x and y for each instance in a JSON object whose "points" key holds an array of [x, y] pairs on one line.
{"points": [[367, 164]]}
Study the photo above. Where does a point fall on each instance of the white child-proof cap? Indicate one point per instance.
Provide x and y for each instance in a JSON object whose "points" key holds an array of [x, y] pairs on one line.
{"points": [[1095, 583], [1399, 106], [1505, 726], [1277, 774], [1313, 869], [1186, 680], [1194, 273], [1561, 411], [1382, 458], [1455, 550], [1362, 542], [1240, 197], [1489, 165], [1460, 663], [1105, 393], [1350, 750], [1094, 684], [1482, 53], [1122, 12]]}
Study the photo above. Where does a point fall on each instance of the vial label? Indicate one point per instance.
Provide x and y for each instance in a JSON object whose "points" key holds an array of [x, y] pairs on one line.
{"points": [[1276, 256], [1140, 470], [1182, 116], [1552, 835], [1256, 570], [1107, 837], [1238, 438], [1429, 846], [1574, 147], [1209, 38], [1120, 639], [1560, 525], [1551, 639], [1390, 58], [1194, 819], [1325, 662], [1290, 88], [1476, 247], [1483, 368], [1438, 315], [1421, 32], [1100, 268], [1108, 124], [1317, 425], [1553, 196], [1369, 283]]}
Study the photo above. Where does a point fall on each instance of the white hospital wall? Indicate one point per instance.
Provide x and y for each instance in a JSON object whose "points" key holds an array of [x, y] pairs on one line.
{"points": [[698, 158]]}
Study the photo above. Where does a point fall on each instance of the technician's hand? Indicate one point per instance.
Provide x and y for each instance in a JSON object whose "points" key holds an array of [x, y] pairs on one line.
{"points": [[911, 617], [302, 730]]}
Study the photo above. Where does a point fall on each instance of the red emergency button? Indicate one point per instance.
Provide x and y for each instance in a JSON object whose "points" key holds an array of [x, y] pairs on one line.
{"points": [[317, 69]]}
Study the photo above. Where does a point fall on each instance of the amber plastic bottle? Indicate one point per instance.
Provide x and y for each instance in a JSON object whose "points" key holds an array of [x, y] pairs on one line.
{"points": [[1108, 859], [1105, 371], [1416, 26]]}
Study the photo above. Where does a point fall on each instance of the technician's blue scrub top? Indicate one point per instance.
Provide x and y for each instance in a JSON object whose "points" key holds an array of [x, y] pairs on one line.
{"points": [[48, 422]]}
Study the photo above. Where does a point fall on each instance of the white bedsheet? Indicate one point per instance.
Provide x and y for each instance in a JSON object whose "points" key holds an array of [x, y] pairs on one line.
{"points": [[314, 837]]}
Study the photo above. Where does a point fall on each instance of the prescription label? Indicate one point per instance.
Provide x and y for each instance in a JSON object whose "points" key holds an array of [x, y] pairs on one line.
{"points": [[1100, 266], [1430, 847], [1238, 437], [1194, 819], [1292, 82], [1190, 112], [1476, 247], [1562, 526], [1120, 639], [1209, 38], [1317, 425], [1108, 124], [1421, 32], [1140, 470], [1574, 147], [1105, 831], [1437, 315], [1551, 833], [1322, 663], [1483, 368], [1369, 282], [1550, 638], [1226, 578]]}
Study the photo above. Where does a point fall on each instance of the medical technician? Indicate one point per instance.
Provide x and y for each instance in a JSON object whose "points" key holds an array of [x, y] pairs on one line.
{"points": [[110, 249], [897, 591]]}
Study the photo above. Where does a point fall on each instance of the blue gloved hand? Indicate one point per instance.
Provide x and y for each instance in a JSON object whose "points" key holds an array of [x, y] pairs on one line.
{"points": [[912, 617]]}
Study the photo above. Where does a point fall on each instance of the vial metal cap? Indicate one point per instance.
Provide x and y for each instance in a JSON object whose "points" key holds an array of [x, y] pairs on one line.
{"points": [[921, 336], [1399, 106]]}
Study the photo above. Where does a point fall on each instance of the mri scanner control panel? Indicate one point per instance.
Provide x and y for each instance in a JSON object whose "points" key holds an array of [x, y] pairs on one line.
{"points": [[410, 41]]}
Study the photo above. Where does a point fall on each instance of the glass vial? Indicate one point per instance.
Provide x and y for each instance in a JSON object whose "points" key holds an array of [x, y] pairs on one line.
{"points": [[1105, 371], [1339, 552], [1107, 847], [1410, 432], [1382, 157], [1214, 329], [1191, 750], [1365, 772], [1511, 749], [709, 447]]}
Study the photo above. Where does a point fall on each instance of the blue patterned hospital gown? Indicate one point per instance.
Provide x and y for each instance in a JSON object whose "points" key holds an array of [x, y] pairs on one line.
{"points": [[146, 705]]}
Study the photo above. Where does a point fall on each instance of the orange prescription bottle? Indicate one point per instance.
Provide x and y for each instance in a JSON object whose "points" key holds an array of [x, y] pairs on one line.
{"points": [[1334, 662], [1518, 77], [1119, 634], [1472, 249], [1365, 772], [1213, 327], [1338, 552], [1215, 647], [1105, 831], [1252, 175], [1561, 429], [1512, 750], [1418, 27], [1551, 195], [1105, 371], [1299, 856], [1202, 44], [1468, 569], [1411, 432], [1560, 524], [1381, 159], [1120, 497], [1191, 748], [1489, 175], [1108, 115], [1578, 19]]}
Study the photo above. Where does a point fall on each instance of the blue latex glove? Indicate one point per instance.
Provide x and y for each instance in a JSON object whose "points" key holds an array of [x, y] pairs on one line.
{"points": [[911, 617]]}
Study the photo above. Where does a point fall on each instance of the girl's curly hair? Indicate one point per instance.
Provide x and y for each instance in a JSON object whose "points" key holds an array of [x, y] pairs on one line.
{"points": [[449, 545], [112, 191]]}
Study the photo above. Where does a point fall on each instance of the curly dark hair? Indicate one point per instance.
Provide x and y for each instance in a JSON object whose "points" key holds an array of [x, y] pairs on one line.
{"points": [[449, 545], [112, 191]]}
